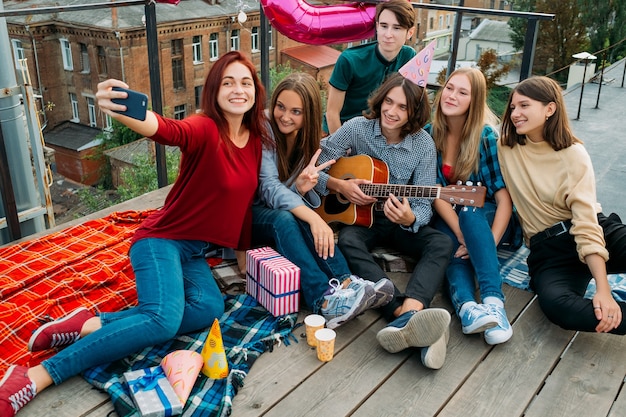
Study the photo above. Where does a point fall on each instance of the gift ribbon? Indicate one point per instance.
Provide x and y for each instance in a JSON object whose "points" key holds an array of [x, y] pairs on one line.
{"points": [[149, 382]]}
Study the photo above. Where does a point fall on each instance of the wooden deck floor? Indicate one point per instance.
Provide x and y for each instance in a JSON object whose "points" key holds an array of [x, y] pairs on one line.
{"points": [[542, 371]]}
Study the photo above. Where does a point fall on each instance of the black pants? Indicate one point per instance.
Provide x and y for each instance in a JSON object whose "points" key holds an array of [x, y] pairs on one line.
{"points": [[430, 247], [560, 279]]}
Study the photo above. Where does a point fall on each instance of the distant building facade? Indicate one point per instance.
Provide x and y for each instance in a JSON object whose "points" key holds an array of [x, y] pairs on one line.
{"points": [[69, 53]]}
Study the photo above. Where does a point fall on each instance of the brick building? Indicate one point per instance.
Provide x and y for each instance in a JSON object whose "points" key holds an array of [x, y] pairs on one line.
{"points": [[69, 53]]}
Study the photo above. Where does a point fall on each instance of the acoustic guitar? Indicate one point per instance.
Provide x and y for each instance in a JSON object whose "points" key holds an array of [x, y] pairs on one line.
{"points": [[336, 208]]}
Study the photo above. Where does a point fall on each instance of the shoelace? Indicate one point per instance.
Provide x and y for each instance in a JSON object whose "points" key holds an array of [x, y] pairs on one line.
{"points": [[495, 311], [62, 339], [22, 397], [478, 310]]}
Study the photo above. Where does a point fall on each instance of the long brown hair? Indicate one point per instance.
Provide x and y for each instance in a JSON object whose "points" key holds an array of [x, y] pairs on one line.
{"points": [[478, 115], [254, 119], [418, 106], [308, 137], [556, 130]]}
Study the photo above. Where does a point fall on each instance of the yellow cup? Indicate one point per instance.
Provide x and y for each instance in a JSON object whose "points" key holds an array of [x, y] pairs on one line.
{"points": [[312, 323], [325, 344]]}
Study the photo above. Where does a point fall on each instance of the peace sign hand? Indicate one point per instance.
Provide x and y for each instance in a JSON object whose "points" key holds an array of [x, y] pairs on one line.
{"points": [[309, 175]]}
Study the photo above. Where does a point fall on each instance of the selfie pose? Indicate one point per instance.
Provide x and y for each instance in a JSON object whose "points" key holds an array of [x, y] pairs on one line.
{"points": [[175, 290]]}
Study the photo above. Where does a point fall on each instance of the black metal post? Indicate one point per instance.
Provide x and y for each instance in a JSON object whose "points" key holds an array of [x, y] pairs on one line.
{"points": [[623, 73], [582, 88], [265, 52], [530, 41], [601, 78], [155, 84], [455, 40], [8, 196]]}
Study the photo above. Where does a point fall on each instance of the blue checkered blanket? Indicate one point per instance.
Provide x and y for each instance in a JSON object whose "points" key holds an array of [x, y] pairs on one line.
{"points": [[514, 271], [248, 330]]}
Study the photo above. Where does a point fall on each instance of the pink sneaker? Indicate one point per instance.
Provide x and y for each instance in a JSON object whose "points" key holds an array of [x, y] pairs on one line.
{"points": [[16, 390], [61, 332]]}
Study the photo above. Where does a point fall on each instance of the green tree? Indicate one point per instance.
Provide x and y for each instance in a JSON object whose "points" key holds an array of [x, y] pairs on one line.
{"points": [[142, 178], [557, 40], [605, 22]]}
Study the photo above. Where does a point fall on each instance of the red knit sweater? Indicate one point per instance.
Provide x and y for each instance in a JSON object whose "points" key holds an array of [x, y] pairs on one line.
{"points": [[212, 197]]}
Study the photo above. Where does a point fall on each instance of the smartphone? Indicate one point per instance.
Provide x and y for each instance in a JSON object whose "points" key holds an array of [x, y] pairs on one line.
{"points": [[136, 104]]}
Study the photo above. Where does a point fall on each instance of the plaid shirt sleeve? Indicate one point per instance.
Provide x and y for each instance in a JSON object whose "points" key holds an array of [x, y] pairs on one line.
{"points": [[490, 174]]}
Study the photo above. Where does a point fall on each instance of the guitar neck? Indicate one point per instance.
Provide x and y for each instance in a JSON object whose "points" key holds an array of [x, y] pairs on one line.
{"points": [[408, 191]]}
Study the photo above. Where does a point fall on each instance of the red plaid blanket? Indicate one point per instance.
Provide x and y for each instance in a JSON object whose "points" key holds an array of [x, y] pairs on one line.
{"points": [[84, 265]]}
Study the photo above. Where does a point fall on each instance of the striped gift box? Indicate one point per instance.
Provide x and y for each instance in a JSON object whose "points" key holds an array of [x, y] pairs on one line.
{"points": [[253, 261], [279, 286]]}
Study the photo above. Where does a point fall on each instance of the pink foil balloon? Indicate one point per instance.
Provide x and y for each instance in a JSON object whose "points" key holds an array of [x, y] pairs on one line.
{"points": [[321, 25]]}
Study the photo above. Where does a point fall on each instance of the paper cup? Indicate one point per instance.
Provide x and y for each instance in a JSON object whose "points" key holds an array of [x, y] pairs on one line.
{"points": [[312, 323], [325, 344]]}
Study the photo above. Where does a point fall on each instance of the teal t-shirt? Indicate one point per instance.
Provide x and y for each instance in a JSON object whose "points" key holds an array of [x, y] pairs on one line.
{"points": [[359, 71]]}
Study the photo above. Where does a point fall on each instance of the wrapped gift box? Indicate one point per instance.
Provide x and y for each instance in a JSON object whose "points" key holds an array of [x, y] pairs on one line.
{"points": [[253, 261], [152, 393], [274, 281]]}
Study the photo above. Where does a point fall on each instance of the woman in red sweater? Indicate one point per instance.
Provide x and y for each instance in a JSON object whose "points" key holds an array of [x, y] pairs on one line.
{"points": [[209, 205]]}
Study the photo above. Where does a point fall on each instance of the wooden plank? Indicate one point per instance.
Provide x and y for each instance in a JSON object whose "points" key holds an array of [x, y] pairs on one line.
{"points": [[417, 391], [75, 397], [586, 380], [342, 384], [275, 375], [507, 380], [619, 407]]}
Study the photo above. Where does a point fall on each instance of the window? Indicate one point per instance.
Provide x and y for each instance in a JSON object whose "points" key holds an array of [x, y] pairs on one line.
{"points": [[180, 112], [431, 23], [74, 105], [108, 123], [214, 51], [91, 108], [178, 68], [66, 51], [492, 4], [234, 40], [270, 39], [84, 59], [197, 49], [254, 39], [198, 94], [102, 61], [18, 53], [440, 22]]}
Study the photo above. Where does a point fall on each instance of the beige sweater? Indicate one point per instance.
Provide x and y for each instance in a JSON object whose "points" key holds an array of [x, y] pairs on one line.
{"points": [[549, 186]]}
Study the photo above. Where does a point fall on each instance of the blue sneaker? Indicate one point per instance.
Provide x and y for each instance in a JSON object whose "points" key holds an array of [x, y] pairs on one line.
{"points": [[414, 329], [476, 318], [383, 288], [503, 331], [343, 304]]}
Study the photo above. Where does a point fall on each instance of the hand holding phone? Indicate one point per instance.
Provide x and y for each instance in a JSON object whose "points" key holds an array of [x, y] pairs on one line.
{"points": [[136, 104]]}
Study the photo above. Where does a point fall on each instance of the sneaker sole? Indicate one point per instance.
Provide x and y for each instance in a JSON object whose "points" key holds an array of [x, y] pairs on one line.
{"points": [[359, 307], [481, 325], [423, 329], [45, 326], [434, 356]]}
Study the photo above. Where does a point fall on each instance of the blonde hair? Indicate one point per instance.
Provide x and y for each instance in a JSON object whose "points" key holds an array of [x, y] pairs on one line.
{"points": [[478, 115]]}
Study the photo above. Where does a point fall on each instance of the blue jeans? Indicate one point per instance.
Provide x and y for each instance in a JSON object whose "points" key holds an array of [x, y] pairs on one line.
{"points": [[176, 294], [293, 239], [483, 263]]}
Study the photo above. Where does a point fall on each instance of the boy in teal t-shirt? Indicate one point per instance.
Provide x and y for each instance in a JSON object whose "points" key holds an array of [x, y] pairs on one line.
{"points": [[361, 69]]}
